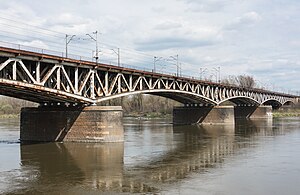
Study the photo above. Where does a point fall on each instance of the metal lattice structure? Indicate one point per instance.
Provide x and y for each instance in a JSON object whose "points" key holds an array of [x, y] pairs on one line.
{"points": [[51, 79]]}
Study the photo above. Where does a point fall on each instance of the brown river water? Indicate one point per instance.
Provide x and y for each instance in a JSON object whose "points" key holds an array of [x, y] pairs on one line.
{"points": [[250, 157]]}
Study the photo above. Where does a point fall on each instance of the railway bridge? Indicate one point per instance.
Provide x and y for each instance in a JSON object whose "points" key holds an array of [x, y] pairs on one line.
{"points": [[68, 90]]}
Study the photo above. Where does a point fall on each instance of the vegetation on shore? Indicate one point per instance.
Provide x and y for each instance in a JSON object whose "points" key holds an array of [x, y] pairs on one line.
{"points": [[8, 116], [151, 115], [146, 106], [143, 105], [293, 112], [11, 107]]}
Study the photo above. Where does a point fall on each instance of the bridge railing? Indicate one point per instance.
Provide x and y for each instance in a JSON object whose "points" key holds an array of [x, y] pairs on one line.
{"points": [[85, 58], [43, 51], [73, 56]]}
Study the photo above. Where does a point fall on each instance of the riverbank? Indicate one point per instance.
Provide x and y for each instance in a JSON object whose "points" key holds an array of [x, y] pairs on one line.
{"points": [[154, 115], [286, 113], [8, 116], [151, 115]]}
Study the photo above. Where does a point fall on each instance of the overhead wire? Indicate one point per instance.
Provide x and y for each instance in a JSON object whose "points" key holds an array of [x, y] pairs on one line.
{"points": [[48, 30], [57, 41], [26, 24]]}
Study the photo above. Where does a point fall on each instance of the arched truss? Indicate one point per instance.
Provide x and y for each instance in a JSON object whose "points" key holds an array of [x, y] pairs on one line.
{"points": [[272, 101], [50, 79], [289, 102], [241, 100]]}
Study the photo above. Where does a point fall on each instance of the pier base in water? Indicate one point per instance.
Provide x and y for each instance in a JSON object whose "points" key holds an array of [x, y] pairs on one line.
{"points": [[204, 115], [88, 124], [262, 111]]}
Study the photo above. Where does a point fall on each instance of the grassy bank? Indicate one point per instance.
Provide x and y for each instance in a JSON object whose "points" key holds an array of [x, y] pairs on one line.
{"points": [[7, 116], [154, 115], [287, 113], [148, 115]]}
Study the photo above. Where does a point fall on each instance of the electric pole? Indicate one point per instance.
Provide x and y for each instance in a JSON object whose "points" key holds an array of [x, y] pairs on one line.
{"points": [[95, 38], [118, 54], [175, 58], [68, 40], [156, 59]]}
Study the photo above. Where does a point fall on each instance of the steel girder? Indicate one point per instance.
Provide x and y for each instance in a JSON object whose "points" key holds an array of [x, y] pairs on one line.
{"points": [[46, 80]]}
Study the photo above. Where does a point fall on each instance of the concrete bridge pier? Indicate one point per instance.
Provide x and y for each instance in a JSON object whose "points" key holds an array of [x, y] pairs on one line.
{"points": [[203, 114], [75, 124], [263, 111]]}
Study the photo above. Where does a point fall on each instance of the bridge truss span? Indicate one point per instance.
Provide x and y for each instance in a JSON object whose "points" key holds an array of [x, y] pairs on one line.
{"points": [[52, 79]]}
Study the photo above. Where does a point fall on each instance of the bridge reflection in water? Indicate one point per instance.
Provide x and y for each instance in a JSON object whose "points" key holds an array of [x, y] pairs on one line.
{"points": [[89, 167]]}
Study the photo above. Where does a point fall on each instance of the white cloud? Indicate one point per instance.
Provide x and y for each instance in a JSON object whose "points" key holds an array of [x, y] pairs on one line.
{"points": [[248, 19], [206, 5], [35, 43], [257, 37], [65, 19], [178, 36], [167, 25]]}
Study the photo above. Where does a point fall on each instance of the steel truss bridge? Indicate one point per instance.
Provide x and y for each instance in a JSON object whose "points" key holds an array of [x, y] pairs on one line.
{"points": [[50, 79]]}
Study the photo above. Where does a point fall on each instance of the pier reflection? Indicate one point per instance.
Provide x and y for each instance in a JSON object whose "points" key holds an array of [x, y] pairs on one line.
{"points": [[88, 167]]}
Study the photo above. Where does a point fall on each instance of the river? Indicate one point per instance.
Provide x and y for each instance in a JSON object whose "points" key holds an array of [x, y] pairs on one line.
{"points": [[251, 157]]}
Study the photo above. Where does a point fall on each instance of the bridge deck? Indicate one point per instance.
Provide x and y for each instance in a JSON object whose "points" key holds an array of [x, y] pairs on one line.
{"points": [[49, 78], [109, 67]]}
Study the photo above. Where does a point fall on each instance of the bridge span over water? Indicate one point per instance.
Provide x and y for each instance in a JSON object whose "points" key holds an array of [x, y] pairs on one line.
{"points": [[45, 78], [52, 80]]}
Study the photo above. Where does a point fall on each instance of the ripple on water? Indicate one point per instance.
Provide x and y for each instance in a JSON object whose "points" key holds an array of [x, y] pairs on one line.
{"points": [[256, 157]]}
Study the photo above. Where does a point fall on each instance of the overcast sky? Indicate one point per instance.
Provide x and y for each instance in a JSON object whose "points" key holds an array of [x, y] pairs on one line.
{"points": [[252, 37]]}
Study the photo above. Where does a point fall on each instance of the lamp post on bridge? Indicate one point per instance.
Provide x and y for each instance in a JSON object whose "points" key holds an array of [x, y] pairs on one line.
{"points": [[69, 38], [156, 59], [175, 58], [202, 71], [180, 68], [96, 56], [118, 54], [95, 38], [218, 74]]}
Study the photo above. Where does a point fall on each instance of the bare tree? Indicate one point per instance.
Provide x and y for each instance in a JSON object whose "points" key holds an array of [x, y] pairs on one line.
{"points": [[244, 81], [9, 105], [230, 80], [134, 104]]}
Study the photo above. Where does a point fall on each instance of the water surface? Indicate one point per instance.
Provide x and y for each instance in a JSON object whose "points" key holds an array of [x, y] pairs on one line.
{"points": [[251, 157]]}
